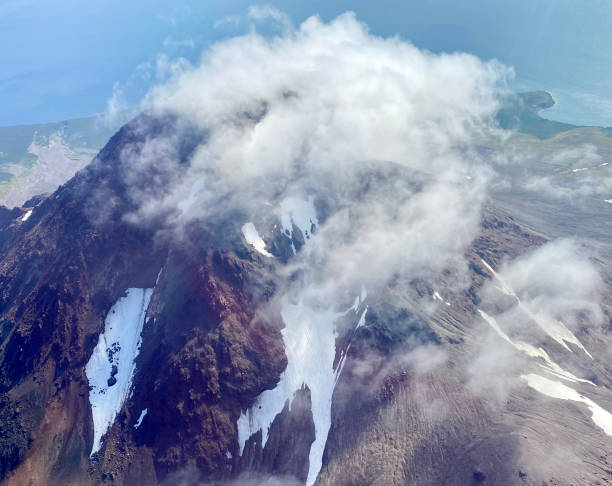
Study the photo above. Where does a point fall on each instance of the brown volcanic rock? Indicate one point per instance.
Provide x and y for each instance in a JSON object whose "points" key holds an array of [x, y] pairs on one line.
{"points": [[57, 310], [212, 344], [59, 274], [204, 357], [206, 360]]}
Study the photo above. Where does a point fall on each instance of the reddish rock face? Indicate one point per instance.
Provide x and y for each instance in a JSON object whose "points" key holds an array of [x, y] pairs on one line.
{"points": [[203, 356]]}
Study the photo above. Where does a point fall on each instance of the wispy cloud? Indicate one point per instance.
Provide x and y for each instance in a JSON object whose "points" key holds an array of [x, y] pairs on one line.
{"points": [[267, 12], [258, 14], [178, 43]]}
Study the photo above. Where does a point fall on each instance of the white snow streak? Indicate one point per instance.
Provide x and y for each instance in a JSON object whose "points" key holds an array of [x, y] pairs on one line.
{"points": [[26, 216], [309, 337], [118, 346], [556, 329], [555, 389], [436, 296], [252, 238], [362, 318], [142, 415]]}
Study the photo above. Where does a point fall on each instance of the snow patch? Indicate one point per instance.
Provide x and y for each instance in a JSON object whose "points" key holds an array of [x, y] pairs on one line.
{"points": [[310, 344], [359, 300], [252, 238], [298, 212], [111, 367], [580, 170], [26, 216], [555, 389], [505, 288], [142, 415], [608, 201]]}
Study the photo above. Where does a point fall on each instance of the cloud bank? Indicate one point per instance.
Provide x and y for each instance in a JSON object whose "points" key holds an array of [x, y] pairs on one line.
{"points": [[380, 133]]}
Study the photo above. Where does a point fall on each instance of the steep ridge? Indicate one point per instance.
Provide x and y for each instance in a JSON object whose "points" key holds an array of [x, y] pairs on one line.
{"points": [[63, 270]]}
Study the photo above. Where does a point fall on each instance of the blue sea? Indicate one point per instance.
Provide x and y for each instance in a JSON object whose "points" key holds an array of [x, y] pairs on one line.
{"points": [[64, 59]]}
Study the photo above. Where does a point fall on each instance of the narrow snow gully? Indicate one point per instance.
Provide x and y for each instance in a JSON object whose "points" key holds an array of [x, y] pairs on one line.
{"points": [[112, 364], [140, 418], [309, 337], [310, 344]]}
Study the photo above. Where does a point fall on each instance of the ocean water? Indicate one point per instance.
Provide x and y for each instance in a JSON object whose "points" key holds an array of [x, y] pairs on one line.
{"points": [[577, 103], [65, 59]]}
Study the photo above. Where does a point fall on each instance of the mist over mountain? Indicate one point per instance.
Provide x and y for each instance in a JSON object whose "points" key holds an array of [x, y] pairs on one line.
{"points": [[318, 258]]}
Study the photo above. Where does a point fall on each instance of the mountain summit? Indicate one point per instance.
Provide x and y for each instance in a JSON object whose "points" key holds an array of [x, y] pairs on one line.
{"points": [[298, 268]]}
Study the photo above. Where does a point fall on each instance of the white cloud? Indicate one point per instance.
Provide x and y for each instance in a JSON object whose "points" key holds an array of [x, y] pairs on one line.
{"points": [[265, 12], [316, 112], [230, 20], [558, 282], [327, 103], [257, 14], [115, 105]]}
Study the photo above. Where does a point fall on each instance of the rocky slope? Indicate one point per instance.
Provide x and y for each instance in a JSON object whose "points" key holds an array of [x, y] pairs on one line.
{"points": [[218, 391]]}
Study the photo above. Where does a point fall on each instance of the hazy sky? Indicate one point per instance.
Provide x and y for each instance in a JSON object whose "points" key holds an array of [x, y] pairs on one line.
{"points": [[61, 59]]}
